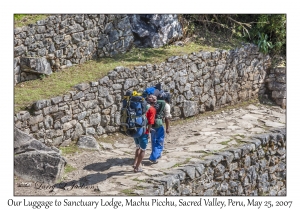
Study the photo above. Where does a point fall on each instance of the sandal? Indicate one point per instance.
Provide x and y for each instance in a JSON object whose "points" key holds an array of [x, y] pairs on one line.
{"points": [[139, 169]]}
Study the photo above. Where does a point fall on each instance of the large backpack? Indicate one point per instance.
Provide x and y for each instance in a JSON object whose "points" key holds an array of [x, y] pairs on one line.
{"points": [[160, 104], [133, 121], [160, 107]]}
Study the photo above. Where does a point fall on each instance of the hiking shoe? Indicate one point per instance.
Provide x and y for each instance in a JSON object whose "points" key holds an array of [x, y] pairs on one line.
{"points": [[153, 162]]}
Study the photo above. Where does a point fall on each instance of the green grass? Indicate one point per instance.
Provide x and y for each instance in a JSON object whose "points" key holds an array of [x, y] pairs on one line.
{"points": [[69, 168], [72, 149], [25, 19], [182, 163], [128, 192], [240, 135], [59, 83], [225, 143]]}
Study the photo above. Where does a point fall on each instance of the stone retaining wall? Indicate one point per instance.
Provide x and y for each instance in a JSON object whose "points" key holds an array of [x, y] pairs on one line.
{"points": [[199, 82], [64, 40], [276, 85], [69, 39], [255, 168]]}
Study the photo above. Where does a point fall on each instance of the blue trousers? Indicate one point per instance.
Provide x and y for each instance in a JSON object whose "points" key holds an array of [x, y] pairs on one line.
{"points": [[157, 143]]}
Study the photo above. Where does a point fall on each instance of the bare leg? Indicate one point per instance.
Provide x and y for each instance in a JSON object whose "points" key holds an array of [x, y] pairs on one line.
{"points": [[140, 158], [137, 152]]}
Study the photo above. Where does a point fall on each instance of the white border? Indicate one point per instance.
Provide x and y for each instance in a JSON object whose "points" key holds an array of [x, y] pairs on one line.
{"points": [[8, 8]]}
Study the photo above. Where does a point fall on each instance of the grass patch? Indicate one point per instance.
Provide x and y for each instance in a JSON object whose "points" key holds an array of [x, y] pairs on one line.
{"points": [[111, 138], [138, 180], [182, 163], [26, 19], [59, 83], [69, 168], [237, 139], [208, 153], [239, 135], [128, 192], [72, 149], [225, 143], [139, 188]]}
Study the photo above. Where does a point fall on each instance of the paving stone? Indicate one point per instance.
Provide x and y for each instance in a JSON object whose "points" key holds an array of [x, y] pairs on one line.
{"points": [[273, 124], [195, 148], [111, 171], [106, 145], [162, 164], [252, 107], [256, 130], [119, 145], [214, 147]]}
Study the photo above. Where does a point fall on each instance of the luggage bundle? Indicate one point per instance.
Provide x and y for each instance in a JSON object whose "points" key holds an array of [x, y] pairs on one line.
{"points": [[134, 106], [133, 119]]}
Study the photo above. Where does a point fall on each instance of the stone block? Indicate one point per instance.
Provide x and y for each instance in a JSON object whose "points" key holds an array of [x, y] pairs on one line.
{"points": [[35, 65]]}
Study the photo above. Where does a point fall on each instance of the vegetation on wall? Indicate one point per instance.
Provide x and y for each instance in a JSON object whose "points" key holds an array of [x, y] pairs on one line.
{"points": [[26, 19], [206, 32], [268, 31]]}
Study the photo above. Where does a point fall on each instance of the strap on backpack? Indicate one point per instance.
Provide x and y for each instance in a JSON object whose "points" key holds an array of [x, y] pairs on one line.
{"points": [[159, 115]]}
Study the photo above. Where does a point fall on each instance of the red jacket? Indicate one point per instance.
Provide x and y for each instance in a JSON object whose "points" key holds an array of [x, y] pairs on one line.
{"points": [[150, 114]]}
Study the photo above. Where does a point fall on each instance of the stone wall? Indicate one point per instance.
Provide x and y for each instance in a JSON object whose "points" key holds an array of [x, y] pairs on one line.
{"points": [[64, 40], [199, 82], [255, 168], [276, 85]]}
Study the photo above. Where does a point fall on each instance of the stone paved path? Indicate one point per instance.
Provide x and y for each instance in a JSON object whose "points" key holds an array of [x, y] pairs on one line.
{"points": [[110, 172]]}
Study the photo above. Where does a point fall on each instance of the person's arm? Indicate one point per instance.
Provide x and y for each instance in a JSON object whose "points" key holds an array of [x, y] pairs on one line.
{"points": [[151, 118], [149, 128], [167, 125], [167, 117]]}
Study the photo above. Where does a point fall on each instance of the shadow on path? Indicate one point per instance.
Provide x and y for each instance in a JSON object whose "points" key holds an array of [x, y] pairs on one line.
{"points": [[103, 166], [96, 178]]}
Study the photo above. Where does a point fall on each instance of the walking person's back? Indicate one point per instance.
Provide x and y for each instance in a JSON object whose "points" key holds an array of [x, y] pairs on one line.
{"points": [[159, 132], [142, 141]]}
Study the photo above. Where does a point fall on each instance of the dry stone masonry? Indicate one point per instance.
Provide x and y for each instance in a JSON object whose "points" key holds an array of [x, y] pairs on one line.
{"points": [[255, 168], [199, 82], [276, 85], [61, 41], [155, 30]]}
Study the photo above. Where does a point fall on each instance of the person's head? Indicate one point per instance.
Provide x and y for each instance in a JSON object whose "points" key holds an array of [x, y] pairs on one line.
{"points": [[151, 99]]}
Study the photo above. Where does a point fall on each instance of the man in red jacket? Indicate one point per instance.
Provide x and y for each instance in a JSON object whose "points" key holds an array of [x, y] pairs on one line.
{"points": [[142, 141]]}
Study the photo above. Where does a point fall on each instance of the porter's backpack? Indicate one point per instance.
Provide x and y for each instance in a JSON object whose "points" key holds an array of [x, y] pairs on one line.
{"points": [[162, 95], [133, 121], [160, 107]]}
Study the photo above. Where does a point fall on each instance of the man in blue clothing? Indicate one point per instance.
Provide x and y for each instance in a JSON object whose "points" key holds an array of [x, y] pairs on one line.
{"points": [[158, 133]]}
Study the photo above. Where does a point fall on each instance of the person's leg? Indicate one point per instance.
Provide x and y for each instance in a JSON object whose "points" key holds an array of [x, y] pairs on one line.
{"points": [[140, 158], [153, 147], [158, 144], [143, 145], [160, 141], [137, 151]]}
